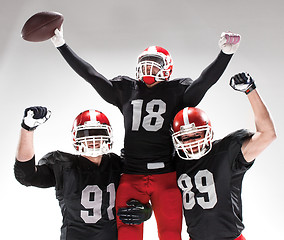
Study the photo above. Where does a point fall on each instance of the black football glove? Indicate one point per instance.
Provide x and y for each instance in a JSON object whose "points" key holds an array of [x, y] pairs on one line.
{"points": [[136, 212], [35, 116], [242, 82]]}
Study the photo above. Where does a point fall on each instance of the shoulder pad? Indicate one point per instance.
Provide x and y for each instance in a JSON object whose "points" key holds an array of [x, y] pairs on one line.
{"points": [[183, 81], [115, 160], [123, 78], [232, 139], [56, 156], [240, 135]]}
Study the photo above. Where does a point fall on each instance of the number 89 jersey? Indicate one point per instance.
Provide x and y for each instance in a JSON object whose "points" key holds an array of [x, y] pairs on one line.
{"points": [[211, 189]]}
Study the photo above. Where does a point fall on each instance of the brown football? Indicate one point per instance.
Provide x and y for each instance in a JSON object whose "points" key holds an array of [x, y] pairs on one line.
{"points": [[41, 26]]}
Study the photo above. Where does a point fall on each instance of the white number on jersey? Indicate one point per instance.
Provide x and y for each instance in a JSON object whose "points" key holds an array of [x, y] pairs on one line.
{"points": [[92, 199], [153, 116], [204, 183]]}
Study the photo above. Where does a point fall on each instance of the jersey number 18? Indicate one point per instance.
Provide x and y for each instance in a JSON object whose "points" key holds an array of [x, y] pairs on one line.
{"points": [[151, 122]]}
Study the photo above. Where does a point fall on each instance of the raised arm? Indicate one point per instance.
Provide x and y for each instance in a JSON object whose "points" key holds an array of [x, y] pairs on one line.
{"points": [[102, 85], [25, 169], [229, 43], [265, 131], [33, 117]]}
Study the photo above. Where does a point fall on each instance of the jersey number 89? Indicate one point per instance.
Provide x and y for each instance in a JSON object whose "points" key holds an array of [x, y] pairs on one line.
{"points": [[204, 183]]}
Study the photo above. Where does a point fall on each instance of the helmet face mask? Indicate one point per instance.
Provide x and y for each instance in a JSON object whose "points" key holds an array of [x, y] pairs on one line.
{"points": [[192, 137], [92, 134], [154, 64], [195, 148]]}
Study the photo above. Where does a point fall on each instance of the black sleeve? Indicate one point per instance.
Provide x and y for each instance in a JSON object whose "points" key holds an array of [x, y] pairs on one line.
{"points": [[240, 164], [102, 85], [209, 76], [28, 174]]}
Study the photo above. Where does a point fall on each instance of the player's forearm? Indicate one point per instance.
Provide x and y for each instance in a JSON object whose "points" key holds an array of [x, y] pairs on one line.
{"points": [[214, 71], [80, 66], [263, 121], [209, 76], [265, 132], [102, 85], [25, 150]]}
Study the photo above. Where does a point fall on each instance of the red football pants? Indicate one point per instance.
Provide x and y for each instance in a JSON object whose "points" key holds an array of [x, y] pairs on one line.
{"points": [[166, 201], [241, 237]]}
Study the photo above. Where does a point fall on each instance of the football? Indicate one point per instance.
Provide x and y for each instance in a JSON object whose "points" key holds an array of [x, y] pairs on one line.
{"points": [[41, 26]]}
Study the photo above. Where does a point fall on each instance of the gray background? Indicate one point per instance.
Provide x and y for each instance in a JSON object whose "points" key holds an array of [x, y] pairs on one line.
{"points": [[110, 35]]}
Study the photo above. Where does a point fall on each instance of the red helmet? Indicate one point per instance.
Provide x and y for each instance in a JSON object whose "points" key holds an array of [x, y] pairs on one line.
{"points": [[154, 57], [92, 133], [193, 133]]}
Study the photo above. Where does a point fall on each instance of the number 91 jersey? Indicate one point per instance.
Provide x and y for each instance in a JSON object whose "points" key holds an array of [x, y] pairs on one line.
{"points": [[211, 189], [86, 193]]}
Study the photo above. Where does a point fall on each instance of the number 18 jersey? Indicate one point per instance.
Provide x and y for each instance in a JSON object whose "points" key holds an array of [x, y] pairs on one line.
{"points": [[148, 115]]}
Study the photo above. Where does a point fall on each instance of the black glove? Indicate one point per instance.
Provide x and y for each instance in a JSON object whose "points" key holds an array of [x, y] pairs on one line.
{"points": [[242, 82], [35, 116], [136, 212]]}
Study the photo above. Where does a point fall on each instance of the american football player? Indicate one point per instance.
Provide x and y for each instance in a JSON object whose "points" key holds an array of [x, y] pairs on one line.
{"points": [[86, 182], [149, 104], [210, 173]]}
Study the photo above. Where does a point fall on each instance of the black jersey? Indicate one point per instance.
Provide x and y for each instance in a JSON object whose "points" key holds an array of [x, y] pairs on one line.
{"points": [[211, 188], [85, 191], [148, 112]]}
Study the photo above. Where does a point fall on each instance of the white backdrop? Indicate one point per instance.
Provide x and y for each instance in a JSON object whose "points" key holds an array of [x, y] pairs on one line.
{"points": [[110, 34]]}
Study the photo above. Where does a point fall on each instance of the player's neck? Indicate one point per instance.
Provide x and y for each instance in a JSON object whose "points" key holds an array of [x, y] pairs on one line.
{"points": [[152, 85], [96, 160]]}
